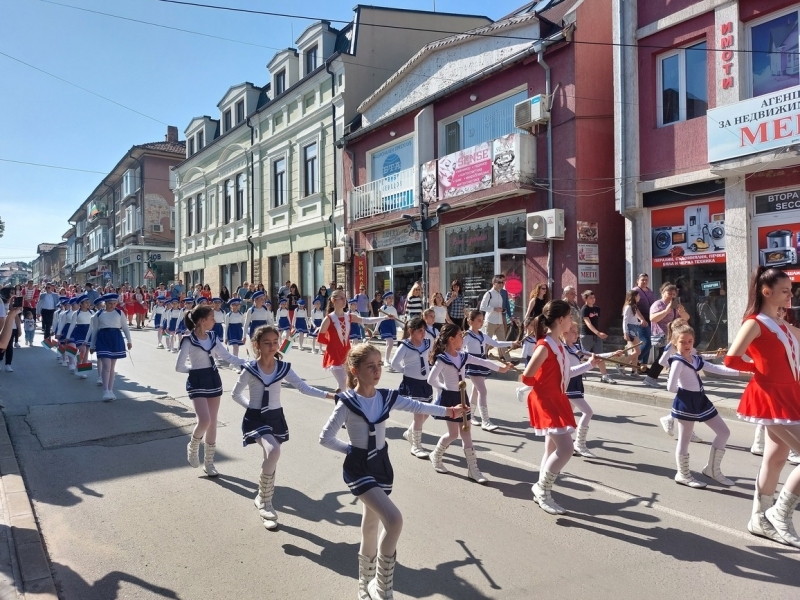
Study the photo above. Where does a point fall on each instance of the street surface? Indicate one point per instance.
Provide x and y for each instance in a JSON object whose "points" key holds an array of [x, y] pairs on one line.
{"points": [[124, 516]]}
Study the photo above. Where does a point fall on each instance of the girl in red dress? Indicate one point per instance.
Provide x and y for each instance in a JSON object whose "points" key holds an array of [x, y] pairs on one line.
{"points": [[335, 334], [548, 373], [772, 398]]}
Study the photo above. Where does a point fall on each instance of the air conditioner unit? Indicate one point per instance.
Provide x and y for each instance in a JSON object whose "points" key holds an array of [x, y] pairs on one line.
{"points": [[156, 228], [531, 112], [341, 254], [545, 225]]}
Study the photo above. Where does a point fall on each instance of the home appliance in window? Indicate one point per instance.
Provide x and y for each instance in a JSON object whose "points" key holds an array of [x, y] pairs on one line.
{"points": [[779, 251], [669, 241]]}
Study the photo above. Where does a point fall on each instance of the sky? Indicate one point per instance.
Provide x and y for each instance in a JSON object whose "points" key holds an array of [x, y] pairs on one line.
{"points": [[167, 77]]}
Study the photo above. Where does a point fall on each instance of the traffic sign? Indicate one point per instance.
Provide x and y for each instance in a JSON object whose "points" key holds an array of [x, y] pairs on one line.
{"points": [[149, 274]]}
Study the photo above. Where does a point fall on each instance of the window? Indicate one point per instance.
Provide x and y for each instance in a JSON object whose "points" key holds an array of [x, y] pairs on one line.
{"points": [[172, 218], [310, 166], [199, 211], [239, 111], [774, 62], [279, 181], [226, 120], [226, 209], [189, 216], [239, 196], [682, 84], [482, 125], [191, 146], [200, 141], [311, 59], [280, 83]]}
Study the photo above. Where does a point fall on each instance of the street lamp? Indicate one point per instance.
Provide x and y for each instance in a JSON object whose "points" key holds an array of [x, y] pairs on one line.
{"points": [[424, 225]]}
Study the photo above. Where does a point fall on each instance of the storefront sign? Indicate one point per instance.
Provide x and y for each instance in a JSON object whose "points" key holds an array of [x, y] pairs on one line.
{"points": [[689, 235], [393, 159], [711, 285], [429, 181], [726, 42], [589, 253], [589, 274], [399, 236], [588, 232], [779, 246], [777, 202], [465, 171], [359, 271], [755, 125]]}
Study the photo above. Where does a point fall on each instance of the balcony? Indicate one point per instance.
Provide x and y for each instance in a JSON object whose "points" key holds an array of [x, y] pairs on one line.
{"points": [[389, 194]]}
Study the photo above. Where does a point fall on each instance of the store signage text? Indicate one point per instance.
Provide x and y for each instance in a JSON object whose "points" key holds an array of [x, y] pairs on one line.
{"points": [[778, 202], [726, 41], [589, 274], [398, 236]]}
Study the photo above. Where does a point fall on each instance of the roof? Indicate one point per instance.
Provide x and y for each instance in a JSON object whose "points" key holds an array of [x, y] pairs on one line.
{"points": [[44, 248], [174, 147]]}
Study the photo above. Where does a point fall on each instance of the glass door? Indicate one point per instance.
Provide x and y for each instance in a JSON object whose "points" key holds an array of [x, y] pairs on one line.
{"points": [[383, 279], [512, 265]]}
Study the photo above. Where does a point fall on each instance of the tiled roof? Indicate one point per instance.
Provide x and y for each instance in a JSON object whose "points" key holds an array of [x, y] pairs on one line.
{"points": [[556, 14], [174, 147]]}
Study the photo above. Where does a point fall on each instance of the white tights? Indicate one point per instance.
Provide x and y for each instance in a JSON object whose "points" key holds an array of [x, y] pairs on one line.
{"points": [[558, 450], [106, 367], [419, 420], [159, 333], [685, 428], [340, 376], [389, 346], [478, 395], [586, 411], [301, 336], [234, 349], [170, 339], [379, 510], [206, 410], [779, 441], [272, 452], [454, 431]]}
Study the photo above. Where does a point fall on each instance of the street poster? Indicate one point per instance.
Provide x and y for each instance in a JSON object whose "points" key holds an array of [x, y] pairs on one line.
{"points": [[429, 181], [587, 231], [588, 274], [689, 235], [465, 171], [779, 246], [588, 253]]}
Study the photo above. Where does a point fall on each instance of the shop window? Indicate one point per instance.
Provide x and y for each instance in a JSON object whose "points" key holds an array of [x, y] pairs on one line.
{"points": [[382, 258], [682, 84], [774, 61], [472, 238], [412, 253], [482, 125]]}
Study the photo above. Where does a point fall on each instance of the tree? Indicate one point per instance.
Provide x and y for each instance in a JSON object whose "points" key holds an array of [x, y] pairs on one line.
{"points": [[2, 227]]}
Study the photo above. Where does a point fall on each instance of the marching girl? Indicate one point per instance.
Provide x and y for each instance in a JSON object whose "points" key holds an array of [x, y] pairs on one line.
{"points": [[234, 326], [198, 351], [99, 306], [334, 332], [259, 392], [188, 305], [478, 344], [171, 317], [691, 405], [317, 317], [356, 330], [158, 317], [771, 398], [300, 322], [528, 345], [388, 328], [548, 373], [108, 327], [431, 332], [367, 469], [448, 372], [411, 359], [66, 320], [58, 325], [78, 332], [283, 318], [219, 318], [258, 314]]}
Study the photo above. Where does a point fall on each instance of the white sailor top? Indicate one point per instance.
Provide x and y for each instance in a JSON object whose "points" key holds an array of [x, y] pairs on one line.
{"points": [[448, 371], [431, 334], [219, 317], [257, 314], [411, 360], [317, 316], [79, 317], [159, 310], [576, 367], [105, 319], [528, 346], [375, 410], [255, 383], [670, 350], [479, 343], [234, 318], [685, 376], [299, 315], [63, 321], [197, 354]]}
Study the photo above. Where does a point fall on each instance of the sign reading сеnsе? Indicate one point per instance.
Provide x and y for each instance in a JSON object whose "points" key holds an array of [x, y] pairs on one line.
{"points": [[754, 125]]}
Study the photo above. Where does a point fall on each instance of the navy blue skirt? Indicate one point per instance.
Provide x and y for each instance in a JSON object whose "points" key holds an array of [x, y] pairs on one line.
{"points": [[110, 343], [692, 406], [575, 387], [204, 383], [79, 333], [477, 370], [236, 334], [270, 422], [284, 324], [313, 332], [418, 389], [388, 329], [255, 325], [448, 398], [172, 325], [217, 329], [157, 320], [301, 324], [361, 474]]}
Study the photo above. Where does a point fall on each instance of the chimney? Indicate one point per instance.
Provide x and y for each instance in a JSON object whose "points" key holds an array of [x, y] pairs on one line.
{"points": [[172, 133]]}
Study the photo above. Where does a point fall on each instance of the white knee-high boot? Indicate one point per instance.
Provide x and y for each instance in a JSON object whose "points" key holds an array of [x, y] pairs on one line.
{"points": [[684, 475], [381, 588], [580, 443], [209, 451], [542, 494], [712, 468], [366, 573], [780, 516], [263, 501], [436, 458], [193, 451]]}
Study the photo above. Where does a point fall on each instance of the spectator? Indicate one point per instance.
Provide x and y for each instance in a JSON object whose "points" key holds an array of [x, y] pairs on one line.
{"points": [[536, 301], [495, 306], [631, 320], [16, 325], [293, 296], [323, 294], [455, 303], [570, 296], [241, 292], [591, 336], [206, 293], [91, 293], [440, 316], [646, 299], [31, 296], [662, 313], [225, 296], [413, 304], [363, 302], [178, 289], [377, 302], [284, 290], [46, 307]]}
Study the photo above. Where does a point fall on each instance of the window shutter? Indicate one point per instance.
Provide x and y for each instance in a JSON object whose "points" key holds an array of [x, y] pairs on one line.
{"points": [[452, 137]]}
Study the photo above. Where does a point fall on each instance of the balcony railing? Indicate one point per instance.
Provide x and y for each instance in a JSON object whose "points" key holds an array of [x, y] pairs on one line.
{"points": [[389, 194]]}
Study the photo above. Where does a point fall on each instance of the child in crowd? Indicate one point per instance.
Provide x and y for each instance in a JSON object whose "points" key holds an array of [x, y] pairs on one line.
{"points": [[30, 327]]}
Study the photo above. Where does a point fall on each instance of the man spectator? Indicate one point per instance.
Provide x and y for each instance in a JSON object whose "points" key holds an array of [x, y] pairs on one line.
{"points": [[284, 290], [91, 293], [363, 302], [494, 306], [646, 299], [570, 296], [178, 289], [31, 296], [46, 307]]}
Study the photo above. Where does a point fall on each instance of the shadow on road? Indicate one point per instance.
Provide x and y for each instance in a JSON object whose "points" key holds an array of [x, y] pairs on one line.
{"points": [[71, 585]]}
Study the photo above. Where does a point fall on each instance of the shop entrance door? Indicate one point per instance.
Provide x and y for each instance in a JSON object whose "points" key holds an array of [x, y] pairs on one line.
{"points": [[383, 279]]}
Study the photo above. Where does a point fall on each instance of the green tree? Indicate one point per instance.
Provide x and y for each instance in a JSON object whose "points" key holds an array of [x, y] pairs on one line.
{"points": [[2, 227]]}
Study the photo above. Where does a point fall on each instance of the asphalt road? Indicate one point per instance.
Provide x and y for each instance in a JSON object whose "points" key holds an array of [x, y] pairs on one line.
{"points": [[124, 516]]}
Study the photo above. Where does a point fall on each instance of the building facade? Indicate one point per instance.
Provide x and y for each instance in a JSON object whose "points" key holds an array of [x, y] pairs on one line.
{"points": [[705, 132], [440, 133], [49, 264], [259, 191]]}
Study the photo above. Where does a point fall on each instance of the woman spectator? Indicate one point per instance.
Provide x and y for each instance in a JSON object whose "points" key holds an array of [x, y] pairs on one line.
{"points": [[414, 301], [440, 316], [293, 297], [206, 293], [536, 301], [662, 312], [322, 294], [377, 302], [225, 295], [591, 337], [631, 321], [455, 303]]}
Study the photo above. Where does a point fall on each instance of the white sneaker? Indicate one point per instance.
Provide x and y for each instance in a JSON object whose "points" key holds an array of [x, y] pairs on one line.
{"points": [[650, 382], [82, 376], [794, 457], [160, 346], [99, 381], [9, 369], [607, 379], [73, 370], [107, 395], [696, 438], [16, 345]]}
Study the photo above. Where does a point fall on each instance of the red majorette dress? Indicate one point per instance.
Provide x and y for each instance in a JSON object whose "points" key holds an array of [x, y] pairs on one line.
{"points": [[548, 406], [336, 340], [772, 397]]}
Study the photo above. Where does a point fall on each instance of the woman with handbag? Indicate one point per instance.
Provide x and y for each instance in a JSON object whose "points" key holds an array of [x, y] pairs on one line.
{"points": [[662, 313]]}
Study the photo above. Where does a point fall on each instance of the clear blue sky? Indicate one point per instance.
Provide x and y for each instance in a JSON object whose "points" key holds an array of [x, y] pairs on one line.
{"points": [[168, 75]]}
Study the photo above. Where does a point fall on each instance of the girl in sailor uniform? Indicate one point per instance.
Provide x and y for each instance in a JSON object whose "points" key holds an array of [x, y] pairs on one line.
{"points": [[188, 306], [388, 328], [259, 392], [549, 373], [283, 318], [334, 332], [367, 470], [478, 344], [171, 318], [528, 345], [158, 319], [72, 360], [411, 359], [108, 327], [691, 406], [300, 322], [356, 330], [197, 358], [99, 306], [234, 327], [447, 374], [431, 332], [258, 314], [58, 325], [78, 332], [317, 316], [219, 318]]}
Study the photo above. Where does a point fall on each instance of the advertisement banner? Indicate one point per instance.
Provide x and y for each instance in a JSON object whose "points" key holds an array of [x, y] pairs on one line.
{"points": [[588, 231], [359, 271], [689, 235], [588, 253], [429, 181], [779, 246], [393, 159], [399, 236], [465, 171], [589, 274]]}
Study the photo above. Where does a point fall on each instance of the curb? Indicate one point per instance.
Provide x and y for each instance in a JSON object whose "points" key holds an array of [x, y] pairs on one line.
{"points": [[34, 566]]}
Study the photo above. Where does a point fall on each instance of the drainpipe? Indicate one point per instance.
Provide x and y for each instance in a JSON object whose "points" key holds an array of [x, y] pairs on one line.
{"points": [[334, 196], [252, 202], [546, 67]]}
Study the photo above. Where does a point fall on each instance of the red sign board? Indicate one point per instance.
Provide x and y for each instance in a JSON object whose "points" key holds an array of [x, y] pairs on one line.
{"points": [[779, 246], [359, 271], [689, 235]]}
